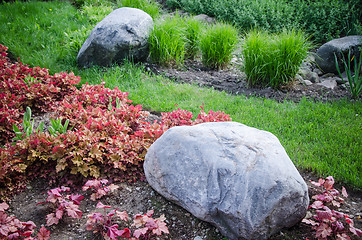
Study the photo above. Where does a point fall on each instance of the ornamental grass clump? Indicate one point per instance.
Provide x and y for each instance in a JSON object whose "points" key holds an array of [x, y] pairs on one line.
{"points": [[167, 41], [217, 44], [273, 59], [193, 29]]}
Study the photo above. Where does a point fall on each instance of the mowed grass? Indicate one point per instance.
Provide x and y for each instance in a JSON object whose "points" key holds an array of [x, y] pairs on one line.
{"points": [[322, 137]]}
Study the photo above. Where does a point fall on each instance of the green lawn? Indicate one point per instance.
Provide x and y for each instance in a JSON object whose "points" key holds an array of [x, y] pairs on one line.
{"points": [[322, 137]]}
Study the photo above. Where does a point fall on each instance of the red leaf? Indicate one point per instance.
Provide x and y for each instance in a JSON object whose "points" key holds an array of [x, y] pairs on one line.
{"points": [[73, 211], [125, 233], [76, 198], [43, 234], [113, 232], [322, 215]]}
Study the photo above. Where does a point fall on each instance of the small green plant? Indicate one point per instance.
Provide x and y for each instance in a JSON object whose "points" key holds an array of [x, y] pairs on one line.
{"points": [[168, 41], [118, 103], [29, 80], [57, 128], [355, 81], [193, 29], [217, 45], [273, 59], [28, 126], [149, 6]]}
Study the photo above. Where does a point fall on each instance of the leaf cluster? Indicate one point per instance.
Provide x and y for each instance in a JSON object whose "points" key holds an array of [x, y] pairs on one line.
{"points": [[108, 136], [15, 94], [28, 127], [62, 203], [13, 228], [145, 225], [324, 217]]}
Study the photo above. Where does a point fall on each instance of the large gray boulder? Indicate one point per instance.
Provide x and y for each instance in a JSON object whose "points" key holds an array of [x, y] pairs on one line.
{"points": [[325, 54], [122, 34], [238, 178]]}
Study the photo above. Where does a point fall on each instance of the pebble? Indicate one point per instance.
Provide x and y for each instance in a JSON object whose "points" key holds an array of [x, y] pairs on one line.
{"points": [[198, 238]]}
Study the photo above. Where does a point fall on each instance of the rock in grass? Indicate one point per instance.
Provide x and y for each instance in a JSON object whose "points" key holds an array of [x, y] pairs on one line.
{"points": [[325, 54], [238, 178], [122, 34]]}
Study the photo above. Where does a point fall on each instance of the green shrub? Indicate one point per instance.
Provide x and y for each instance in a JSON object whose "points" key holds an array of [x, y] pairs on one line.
{"points": [[193, 29], [167, 41], [273, 59], [323, 19], [149, 6], [217, 45]]}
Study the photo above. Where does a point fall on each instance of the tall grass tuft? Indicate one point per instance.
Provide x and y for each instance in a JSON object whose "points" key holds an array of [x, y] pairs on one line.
{"points": [[217, 45], [149, 6], [167, 41], [193, 29], [273, 59]]}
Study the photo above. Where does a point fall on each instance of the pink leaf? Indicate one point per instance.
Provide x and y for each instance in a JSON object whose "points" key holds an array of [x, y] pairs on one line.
{"points": [[344, 192], [319, 183], [150, 213], [112, 213], [328, 184], [323, 231], [3, 206], [101, 205], [76, 198], [140, 232], [343, 236], [151, 224], [113, 232], [161, 228], [123, 215], [355, 231], [59, 213], [51, 219], [317, 205], [113, 187], [73, 211], [322, 215], [43, 234]]}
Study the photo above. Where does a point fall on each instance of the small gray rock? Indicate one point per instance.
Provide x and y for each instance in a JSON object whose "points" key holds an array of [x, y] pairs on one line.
{"points": [[307, 82], [238, 178], [329, 83]]}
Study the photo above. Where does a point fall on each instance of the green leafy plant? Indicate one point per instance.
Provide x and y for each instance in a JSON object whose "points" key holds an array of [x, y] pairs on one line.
{"points": [[323, 20], [273, 59], [29, 80], [168, 41], [57, 128], [217, 44], [28, 127], [355, 81]]}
